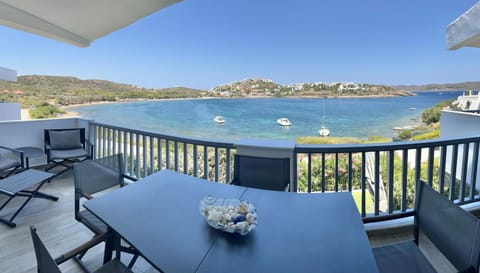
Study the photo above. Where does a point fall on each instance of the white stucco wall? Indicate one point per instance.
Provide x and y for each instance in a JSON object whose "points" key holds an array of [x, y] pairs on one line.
{"points": [[10, 111], [455, 124], [16, 134], [7, 74], [459, 124]]}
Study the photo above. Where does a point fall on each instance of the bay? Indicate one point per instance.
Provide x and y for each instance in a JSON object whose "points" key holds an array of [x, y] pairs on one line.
{"points": [[256, 117]]}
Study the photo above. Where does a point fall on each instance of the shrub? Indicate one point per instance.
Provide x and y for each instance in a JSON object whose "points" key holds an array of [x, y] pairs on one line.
{"points": [[405, 134], [429, 135], [45, 110]]}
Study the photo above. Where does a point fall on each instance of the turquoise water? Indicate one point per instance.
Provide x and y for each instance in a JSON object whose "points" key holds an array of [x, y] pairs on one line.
{"points": [[256, 118]]}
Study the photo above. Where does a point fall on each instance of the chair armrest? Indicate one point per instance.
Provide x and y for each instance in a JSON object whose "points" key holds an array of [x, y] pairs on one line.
{"points": [[15, 151], [85, 194], [87, 245]]}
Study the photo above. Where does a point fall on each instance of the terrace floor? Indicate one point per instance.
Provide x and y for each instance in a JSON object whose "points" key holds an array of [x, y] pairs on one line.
{"points": [[60, 232]]}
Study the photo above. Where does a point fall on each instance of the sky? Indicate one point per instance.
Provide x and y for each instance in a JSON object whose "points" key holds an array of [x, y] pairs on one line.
{"points": [[202, 44]]}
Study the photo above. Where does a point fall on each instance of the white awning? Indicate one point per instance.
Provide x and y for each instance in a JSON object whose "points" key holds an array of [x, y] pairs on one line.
{"points": [[76, 22], [8, 74], [465, 30]]}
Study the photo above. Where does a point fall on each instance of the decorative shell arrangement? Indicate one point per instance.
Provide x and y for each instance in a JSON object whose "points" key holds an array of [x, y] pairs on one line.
{"points": [[230, 215]]}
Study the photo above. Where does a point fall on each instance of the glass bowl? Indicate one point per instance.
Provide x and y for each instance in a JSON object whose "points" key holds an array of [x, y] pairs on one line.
{"points": [[229, 215]]}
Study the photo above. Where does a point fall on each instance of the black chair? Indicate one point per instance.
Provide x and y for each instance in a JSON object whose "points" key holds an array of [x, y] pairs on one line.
{"points": [[262, 173], [11, 160], [65, 147], [46, 263], [95, 176], [454, 231]]}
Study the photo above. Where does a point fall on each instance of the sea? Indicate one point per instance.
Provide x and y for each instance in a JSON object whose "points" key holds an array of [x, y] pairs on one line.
{"points": [[257, 117]]}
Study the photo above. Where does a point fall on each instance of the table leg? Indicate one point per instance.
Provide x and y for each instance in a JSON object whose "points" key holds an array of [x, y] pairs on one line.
{"points": [[111, 244]]}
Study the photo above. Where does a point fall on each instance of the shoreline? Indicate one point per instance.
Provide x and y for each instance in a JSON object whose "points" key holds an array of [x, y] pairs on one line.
{"points": [[76, 114]]}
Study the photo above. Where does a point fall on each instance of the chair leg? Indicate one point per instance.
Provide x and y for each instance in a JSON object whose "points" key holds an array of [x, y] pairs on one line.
{"points": [[132, 261], [80, 263]]}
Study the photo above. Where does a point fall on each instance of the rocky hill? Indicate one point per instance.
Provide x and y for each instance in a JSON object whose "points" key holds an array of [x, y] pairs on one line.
{"points": [[461, 86], [266, 88]]}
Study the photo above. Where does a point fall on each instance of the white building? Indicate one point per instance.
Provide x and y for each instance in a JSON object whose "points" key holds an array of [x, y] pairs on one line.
{"points": [[469, 101]]}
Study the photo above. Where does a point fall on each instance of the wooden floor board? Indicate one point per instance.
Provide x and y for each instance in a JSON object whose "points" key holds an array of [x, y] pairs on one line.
{"points": [[57, 228]]}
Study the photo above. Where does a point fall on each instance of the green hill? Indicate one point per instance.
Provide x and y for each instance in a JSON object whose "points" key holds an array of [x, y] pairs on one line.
{"points": [[33, 90]]}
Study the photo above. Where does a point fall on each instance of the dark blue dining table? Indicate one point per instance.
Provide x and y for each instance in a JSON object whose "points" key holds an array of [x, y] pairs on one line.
{"points": [[159, 216]]}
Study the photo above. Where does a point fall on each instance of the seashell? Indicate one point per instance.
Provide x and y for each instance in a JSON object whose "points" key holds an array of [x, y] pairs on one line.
{"points": [[239, 218], [250, 218], [242, 209]]}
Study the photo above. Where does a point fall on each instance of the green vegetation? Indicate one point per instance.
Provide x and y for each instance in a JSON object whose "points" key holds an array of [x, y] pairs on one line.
{"points": [[432, 114], [405, 134], [357, 197], [429, 135], [340, 140], [32, 90], [328, 140], [45, 110], [377, 139]]}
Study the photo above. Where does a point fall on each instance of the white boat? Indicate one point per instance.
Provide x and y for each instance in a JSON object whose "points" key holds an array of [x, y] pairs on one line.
{"points": [[219, 119], [284, 122], [323, 131], [413, 108]]}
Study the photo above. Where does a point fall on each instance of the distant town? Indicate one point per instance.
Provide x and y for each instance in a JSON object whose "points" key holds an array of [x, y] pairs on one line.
{"points": [[259, 87]]}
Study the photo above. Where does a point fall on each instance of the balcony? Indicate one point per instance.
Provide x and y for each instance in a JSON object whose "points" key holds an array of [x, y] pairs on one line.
{"points": [[380, 177]]}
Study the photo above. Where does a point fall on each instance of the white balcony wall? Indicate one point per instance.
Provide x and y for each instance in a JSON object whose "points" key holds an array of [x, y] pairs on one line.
{"points": [[455, 124], [30, 133], [10, 111]]}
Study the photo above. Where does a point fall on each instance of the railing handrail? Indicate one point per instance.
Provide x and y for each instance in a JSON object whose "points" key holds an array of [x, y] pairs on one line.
{"points": [[373, 147], [349, 166], [191, 140]]}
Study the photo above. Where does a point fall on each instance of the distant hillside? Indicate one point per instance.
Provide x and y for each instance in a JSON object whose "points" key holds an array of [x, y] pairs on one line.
{"points": [[35, 90], [462, 86], [32, 90], [267, 88]]}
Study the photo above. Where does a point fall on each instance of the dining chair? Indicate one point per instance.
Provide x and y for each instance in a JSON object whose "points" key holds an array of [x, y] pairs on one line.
{"points": [[454, 232], [92, 177], [64, 147], [11, 160], [261, 172], [47, 264]]}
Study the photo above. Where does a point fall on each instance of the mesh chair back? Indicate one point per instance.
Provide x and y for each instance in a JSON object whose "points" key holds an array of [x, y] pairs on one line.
{"points": [[454, 231], [46, 134], [93, 176], [45, 262], [262, 173]]}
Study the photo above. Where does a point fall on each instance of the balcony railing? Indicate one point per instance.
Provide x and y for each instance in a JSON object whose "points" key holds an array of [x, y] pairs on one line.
{"points": [[387, 172], [148, 152], [384, 173], [380, 176]]}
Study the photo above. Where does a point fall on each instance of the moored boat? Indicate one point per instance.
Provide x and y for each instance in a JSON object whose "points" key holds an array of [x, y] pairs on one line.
{"points": [[284, 122], [324, 131], [219, 119]]}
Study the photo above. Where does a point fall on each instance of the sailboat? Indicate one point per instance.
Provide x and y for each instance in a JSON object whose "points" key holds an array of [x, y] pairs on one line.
{"points": [[323, 130]]}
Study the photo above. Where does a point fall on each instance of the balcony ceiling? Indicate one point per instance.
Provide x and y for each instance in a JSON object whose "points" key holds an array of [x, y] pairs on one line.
{"points": [[465, 30], [73, 21]]}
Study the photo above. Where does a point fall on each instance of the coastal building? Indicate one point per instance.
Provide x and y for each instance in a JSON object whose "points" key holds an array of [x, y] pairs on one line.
{"points": [[469, 101]]}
